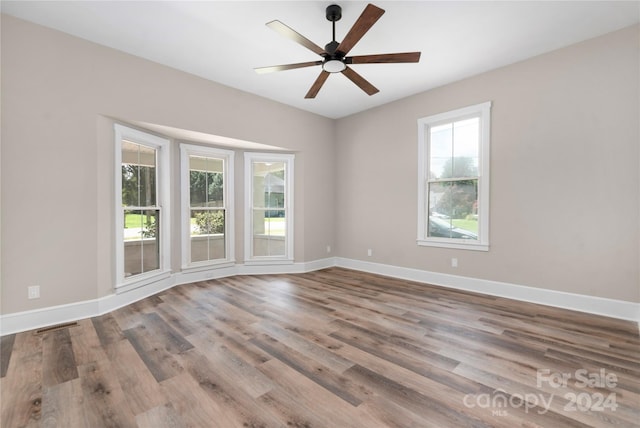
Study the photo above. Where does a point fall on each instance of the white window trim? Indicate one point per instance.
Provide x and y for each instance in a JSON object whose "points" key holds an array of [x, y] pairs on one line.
{"points": [[249, 258], [123, 284], [483, 111], [187, 150]]}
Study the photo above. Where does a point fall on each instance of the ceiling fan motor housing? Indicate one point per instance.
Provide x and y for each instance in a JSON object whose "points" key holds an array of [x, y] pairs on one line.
{"points": [[331, 48]]}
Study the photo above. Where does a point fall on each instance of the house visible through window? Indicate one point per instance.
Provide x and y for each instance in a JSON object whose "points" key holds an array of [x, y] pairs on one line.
{"points": [[454, 178]]}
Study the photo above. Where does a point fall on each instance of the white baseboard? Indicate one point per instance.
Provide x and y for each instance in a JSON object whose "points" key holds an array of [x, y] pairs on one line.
{"points": [[578, 302], [38, 318], [44, 317]]}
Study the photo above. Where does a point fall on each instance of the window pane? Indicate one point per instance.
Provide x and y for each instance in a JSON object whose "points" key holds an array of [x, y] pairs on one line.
{"points": [[147, 186], [151, 241], [454, 148], [268, 184], [207, 235], [206, 181], [133, 225], [453, 209], [466, 144], [440, 151], [141, 241], [138, 175], [269, 228], [130, 193]]}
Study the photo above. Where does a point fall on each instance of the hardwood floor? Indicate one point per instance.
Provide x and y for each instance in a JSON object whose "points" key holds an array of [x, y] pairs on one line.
{"points": [[332, 348]]}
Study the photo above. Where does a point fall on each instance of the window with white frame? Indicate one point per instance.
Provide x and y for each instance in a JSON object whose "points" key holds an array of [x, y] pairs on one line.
{"points": [[269, 204], [142, 221], [453, 197], [207, 206]]}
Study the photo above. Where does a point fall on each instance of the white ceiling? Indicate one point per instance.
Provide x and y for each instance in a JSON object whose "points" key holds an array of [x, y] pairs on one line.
{"points": [[224, 40]]}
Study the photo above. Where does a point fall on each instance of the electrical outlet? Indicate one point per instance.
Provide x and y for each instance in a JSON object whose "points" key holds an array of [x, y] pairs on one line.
{"points": [[33, 292], [328, 248], [369, 252], [454, 262]]}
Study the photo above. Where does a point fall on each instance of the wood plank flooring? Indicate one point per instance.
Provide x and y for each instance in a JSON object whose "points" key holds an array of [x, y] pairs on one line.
{"points": [[332, 348]]}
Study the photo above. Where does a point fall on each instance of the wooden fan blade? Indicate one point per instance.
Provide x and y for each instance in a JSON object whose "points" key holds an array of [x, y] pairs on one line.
{"points": [[263, 70], [360, 81], [384, 58], [366, 20], [291, 34], [317, 84]]}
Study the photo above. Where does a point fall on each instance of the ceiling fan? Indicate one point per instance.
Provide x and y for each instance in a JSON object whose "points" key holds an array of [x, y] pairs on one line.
{"points": [[334, 55]]}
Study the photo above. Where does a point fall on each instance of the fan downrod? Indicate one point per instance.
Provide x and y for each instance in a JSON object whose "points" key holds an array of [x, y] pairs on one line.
{"points": [[334, 13]]}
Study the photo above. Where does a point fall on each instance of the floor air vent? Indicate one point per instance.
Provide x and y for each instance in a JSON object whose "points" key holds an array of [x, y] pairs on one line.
{"points": [[56, 327]]}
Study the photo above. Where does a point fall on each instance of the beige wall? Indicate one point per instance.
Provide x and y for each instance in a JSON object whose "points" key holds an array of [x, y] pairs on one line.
{"points": [[58, 93], [565, 161], [564, 173]]}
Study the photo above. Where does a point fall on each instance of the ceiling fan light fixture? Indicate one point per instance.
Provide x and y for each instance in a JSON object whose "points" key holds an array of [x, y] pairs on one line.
{"points": [[333, 66]]}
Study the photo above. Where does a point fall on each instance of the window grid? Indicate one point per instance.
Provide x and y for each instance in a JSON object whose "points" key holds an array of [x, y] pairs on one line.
{"points": [[142, 225], [454, 175], [269, 199], [207, 201]]}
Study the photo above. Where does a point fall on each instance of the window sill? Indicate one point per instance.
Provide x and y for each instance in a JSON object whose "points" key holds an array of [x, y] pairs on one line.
{"points": [[268, 261], [132, 284], [202, 266], [455, 244]]}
